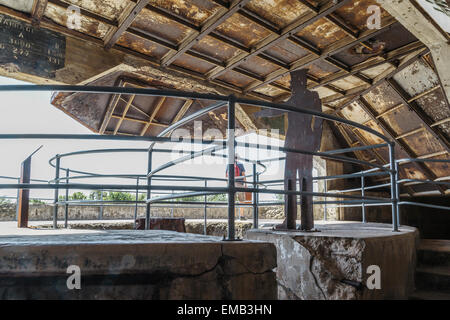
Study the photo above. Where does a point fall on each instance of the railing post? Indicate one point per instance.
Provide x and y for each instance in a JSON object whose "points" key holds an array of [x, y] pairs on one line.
{"points": [[100, 213], [149, 184], [205, 209], [363, 206], [137, 199], [17, 200], [398, 193], [55, 203], [325, 209], [66, 205], [231, 154], [255, 197], [394, 195]]}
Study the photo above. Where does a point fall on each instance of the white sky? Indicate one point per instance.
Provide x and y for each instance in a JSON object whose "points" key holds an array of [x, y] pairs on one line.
{"points": [[32, 112]]}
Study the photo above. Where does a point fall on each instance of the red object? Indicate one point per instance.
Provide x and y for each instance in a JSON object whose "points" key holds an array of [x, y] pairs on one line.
{"points": [[237, 171]]}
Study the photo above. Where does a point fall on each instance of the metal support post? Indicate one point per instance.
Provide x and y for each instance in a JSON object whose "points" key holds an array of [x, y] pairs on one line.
{"points": [[363, 206], [394, 196], [149, 185], [55, 201], [255, 198], [231, 142], [66, 205], [205, 210]]}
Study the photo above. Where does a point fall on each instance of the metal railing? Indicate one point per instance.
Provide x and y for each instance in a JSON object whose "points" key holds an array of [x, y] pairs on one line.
{"points": [[214, 148]]}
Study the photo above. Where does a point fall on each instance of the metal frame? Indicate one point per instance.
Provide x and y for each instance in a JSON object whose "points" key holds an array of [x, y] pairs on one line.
{"points": [[259, 185]]}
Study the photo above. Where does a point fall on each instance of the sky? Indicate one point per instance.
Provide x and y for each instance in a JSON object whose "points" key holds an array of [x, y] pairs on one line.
{"points": [[31, 112]]}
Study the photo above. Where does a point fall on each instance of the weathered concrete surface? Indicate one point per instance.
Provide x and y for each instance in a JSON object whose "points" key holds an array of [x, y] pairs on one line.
{"points": [[216, 228], [135, 264], [332, 264]]}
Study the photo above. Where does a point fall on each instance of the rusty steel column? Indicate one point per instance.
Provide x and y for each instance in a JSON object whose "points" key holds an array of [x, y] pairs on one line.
{"points": [[291, 213], [24, 195]]}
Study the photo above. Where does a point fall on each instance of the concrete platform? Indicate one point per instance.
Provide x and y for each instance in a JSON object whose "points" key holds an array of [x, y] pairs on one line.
{"points": [[134, 264], [333, 263]]}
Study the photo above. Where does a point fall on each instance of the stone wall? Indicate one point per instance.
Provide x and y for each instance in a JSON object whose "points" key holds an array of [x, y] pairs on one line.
{"points": [[43, 212]]}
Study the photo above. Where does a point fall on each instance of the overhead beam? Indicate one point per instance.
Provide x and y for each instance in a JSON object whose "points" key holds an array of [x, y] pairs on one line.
{"points": [[425, 120], [211, 24], [184, 108], [365, 105], [285, 33], [114, 35], [124, 113], [424, 28], [407, 61], [38, 10], [153, 115], [335, 48]]}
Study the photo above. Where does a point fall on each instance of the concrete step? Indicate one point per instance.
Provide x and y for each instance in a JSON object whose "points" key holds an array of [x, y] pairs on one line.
{"points": [[430, 295], [434, 253], [433, 278]]}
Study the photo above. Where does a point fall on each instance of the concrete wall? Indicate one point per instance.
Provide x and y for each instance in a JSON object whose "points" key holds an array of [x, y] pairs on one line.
{"points": [[45, 212], [332, 264], [135, 264]]}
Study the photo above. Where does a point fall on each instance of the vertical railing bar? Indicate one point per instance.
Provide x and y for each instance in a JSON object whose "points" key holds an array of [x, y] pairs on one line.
{"points": [[363, 206], [394, 196], [55, 203], [149, 183], [255, 199], [205, 210], [137, 199], [231, 162], [17, 200], [325, 208], [66, 205], [100, 213], [397, 191]]}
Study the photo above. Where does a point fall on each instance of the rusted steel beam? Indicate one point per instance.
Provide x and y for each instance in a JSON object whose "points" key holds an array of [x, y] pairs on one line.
{"points": [[388, 57], [365, 105], [207, 28], [429, 61], [404, 64], [335, 48], [114, 35], [37, 11], [124, 113], [140, 121], [153, 115], [438, 123], [174, 47], [184, 108], [285, 33], [423, 117], [86, 13]]}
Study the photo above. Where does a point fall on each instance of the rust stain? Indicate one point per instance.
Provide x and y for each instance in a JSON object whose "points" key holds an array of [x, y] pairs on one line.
{"points": [[322, 33], [243, 30], [355, 13], [279, 12], [141, 45], [87, 25], [111, 9], [197, 11], [216, 48], [160, 26]]}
